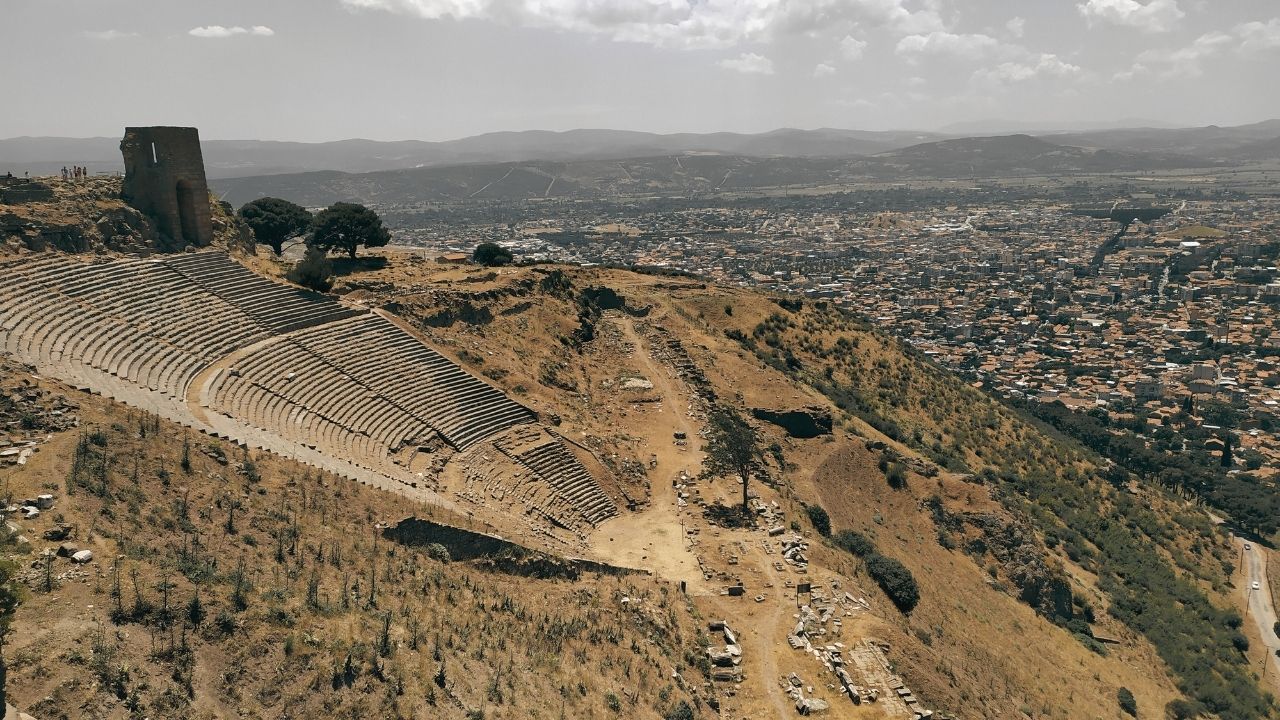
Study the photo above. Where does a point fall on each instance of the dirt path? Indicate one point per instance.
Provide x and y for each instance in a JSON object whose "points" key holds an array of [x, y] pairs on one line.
{"points": [[654, 538], [772, 635]]}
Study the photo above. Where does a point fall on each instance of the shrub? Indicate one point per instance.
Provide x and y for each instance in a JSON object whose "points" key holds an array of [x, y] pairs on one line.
{"points": [[313, 271], [681, 711], [1182, 710], [854, 542], [1127, 701], [820, 519], [438, 552], [895, 579], [896, 475]]}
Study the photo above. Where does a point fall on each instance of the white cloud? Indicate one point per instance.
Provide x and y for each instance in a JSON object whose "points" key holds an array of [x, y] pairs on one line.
{"points": [[219, 31], [1180, 63], [1046, 64], [946, 43], [678, 23], [109, 34], [851, 47], [1152, 16], [748, 63], [1258, 35], [1016, 27], [823, 70]]}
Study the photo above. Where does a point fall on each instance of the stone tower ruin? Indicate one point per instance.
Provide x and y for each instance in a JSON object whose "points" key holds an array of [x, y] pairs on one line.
{"points": [[164, 178]]}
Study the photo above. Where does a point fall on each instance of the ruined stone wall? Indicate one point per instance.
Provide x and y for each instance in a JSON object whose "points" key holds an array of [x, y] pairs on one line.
{"points": [[494, 552], [164, 178]]}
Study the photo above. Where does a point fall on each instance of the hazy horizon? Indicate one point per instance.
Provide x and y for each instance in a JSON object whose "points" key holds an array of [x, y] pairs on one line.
{"points": [[981, 127], [437, 70]]}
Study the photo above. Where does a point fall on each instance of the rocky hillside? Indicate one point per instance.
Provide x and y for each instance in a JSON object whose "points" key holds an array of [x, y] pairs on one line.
{"points": [[911, 542], [224, 583], [89, 216], [1010, 530]]}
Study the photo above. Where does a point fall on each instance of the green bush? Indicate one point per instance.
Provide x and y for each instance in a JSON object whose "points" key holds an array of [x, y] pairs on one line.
{"points": [[820, 519], [1183, 710], [895, 579], [438, 552], [854, 542], [681, 711], [1127, 701], [897, 476]]}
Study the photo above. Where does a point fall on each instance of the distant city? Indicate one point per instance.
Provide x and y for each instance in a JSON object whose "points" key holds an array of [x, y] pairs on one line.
{"points": [[1003, 292]]}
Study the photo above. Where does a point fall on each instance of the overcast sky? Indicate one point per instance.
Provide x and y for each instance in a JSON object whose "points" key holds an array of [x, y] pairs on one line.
{"points": [[439, 69]]}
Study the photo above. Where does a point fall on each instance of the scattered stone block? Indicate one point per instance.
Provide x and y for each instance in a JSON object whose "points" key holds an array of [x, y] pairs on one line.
{"points": [[82, 557]]}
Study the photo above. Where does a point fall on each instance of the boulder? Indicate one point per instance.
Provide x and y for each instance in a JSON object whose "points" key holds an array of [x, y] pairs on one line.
{"points": [[59, 532], [82, 557], [44, 502], [814, 706], [67, 550]]}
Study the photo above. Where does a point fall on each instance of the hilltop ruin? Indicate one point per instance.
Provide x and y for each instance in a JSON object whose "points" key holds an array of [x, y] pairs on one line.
{"points": [[164, 178]]}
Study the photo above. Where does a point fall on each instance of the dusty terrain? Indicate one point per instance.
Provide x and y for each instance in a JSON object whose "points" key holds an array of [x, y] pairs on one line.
{"points": [[625, 367]]}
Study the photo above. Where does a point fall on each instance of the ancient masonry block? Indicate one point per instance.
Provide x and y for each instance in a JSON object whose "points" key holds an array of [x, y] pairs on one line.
{"points": [[164, 178]]}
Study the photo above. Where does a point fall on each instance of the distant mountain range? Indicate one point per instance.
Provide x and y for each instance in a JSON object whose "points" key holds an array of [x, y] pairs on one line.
{"points": [[535, 163], [242, 158], [680, 174]]}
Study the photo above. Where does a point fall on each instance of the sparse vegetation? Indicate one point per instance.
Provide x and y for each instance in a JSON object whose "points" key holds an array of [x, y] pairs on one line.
{"points": [[301, 586]]}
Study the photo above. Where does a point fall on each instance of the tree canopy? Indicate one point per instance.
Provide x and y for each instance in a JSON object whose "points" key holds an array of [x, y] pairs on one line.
{"points": [[274, 221], [492, 254], [347, 226], [732, 447]]}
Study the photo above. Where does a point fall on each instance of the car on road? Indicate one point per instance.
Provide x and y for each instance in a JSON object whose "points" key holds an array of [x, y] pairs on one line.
{"points": [[1257, 585]]}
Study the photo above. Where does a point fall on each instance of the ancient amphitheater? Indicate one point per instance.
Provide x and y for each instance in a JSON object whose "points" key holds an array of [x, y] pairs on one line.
{"points": [[202, 340]]}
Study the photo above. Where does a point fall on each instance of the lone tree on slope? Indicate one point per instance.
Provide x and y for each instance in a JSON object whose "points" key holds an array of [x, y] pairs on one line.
{"points": [[274, 221], [492, 254], [732, 448], [347, 226]]}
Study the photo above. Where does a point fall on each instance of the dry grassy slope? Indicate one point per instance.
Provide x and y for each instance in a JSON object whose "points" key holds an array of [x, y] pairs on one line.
{"points": [[986, 653], [512, 647]]}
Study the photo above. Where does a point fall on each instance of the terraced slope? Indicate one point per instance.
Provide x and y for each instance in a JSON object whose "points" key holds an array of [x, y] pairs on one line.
{"points": [[291, 369]]}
